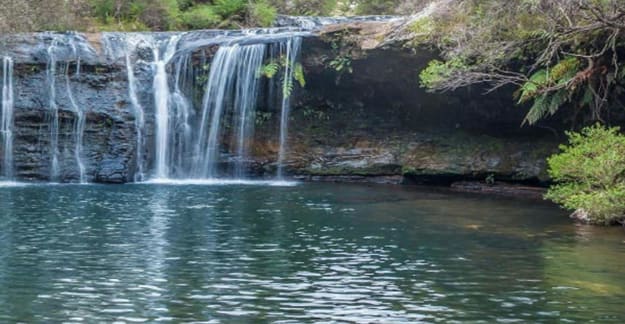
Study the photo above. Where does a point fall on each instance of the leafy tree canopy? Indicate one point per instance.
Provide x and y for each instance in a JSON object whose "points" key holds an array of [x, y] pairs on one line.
{"points": [[555, 52]]}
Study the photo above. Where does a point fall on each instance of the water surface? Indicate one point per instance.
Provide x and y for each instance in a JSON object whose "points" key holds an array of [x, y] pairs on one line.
{"points": [[311, 252]]}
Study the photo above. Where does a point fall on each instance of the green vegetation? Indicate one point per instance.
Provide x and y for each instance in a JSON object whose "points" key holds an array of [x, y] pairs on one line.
{"points": [[143, 15], [556, 53], [275, 67], [590, 174], [200, 17]]}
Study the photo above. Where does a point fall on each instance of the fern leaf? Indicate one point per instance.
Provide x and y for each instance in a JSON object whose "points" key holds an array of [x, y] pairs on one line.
{"points": [[287, 88], [268, 70], [539, 110], [556, 100], [298, 75], [530, 89]]}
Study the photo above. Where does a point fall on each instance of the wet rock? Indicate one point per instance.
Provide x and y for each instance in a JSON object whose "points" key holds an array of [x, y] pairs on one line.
{"points": [[581, 216], [374, 124], [500, 189]]}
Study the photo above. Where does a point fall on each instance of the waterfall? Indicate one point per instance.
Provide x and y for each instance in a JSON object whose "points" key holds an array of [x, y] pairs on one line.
{"points": [[6, 126], [293, 46], [245, 103], [139, 118], [205, 102], [162, 99], [62, 51], [54, 110], [189, 148], [183, 110], [118, 46], [79, 123], [232, 81]]}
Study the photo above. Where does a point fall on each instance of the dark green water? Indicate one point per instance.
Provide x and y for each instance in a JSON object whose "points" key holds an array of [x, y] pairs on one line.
{"points": [[313, 252]]}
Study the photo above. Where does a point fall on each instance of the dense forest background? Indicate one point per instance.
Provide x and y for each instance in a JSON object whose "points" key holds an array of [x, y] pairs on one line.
{"points": [[140, 15]]}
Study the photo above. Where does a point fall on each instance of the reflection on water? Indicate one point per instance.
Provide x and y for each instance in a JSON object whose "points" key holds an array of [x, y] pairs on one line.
{"points": [[309, 252]]}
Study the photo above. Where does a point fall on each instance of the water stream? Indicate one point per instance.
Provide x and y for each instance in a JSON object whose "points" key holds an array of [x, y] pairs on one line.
{"points": [[292, 49], [53, 114], [6, 123], [232, 80], [79, 123], [162, 102]]}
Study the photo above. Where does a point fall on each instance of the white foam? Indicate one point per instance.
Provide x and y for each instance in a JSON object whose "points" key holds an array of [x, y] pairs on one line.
{"points": [[5, 184], [221, 182]]}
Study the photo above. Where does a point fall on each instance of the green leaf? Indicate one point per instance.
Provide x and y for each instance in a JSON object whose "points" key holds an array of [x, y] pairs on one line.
{"points": [[298, 74], [530, 89], [268, 70]]}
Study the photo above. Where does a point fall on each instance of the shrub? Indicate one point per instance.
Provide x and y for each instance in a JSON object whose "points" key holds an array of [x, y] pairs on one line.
{"points": [[228, 8], [200, 17], [262, 14], [590, 175]]}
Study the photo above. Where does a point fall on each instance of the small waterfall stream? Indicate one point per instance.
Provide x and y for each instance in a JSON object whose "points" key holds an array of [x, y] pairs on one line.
{"points": [[232, 81], [211, 139], [139, 118], [162, 101], [292, 52], [62, 52], [6, 124], [53, 111], [79, 123]]}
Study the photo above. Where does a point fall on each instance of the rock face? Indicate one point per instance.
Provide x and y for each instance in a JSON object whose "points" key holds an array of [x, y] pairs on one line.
{"points": [[109, 131], [360, 117]]}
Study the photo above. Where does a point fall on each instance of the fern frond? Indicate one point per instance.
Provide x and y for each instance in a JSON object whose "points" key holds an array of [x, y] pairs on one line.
{"points": [[530, 89], [268, 70], [539, 110], [287, 88], [298, 74]]}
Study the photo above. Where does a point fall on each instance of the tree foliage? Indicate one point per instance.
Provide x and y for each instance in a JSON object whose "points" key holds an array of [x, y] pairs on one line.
{"points": [[131, 15], [556, 52], [590, 174]]}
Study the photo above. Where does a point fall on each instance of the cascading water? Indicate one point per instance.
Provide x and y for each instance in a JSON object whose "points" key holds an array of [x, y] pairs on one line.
{"points": [[139, 118], [181, 125], [245, 100], [293, 46], [54, 111], [187, 148], [204, 102], [6, 125], [62, 52], [162, 100], [79, 123], [232, 80]]}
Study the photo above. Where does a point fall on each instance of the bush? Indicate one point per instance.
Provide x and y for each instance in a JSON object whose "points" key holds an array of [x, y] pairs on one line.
{"points": [[262, 14], [590, 175], [200, 17], [305, 7], [377, 7], [229, 8]]}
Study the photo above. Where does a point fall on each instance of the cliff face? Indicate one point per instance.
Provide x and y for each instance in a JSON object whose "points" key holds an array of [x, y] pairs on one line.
{"points": [[374, 123], [360, 117]]}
